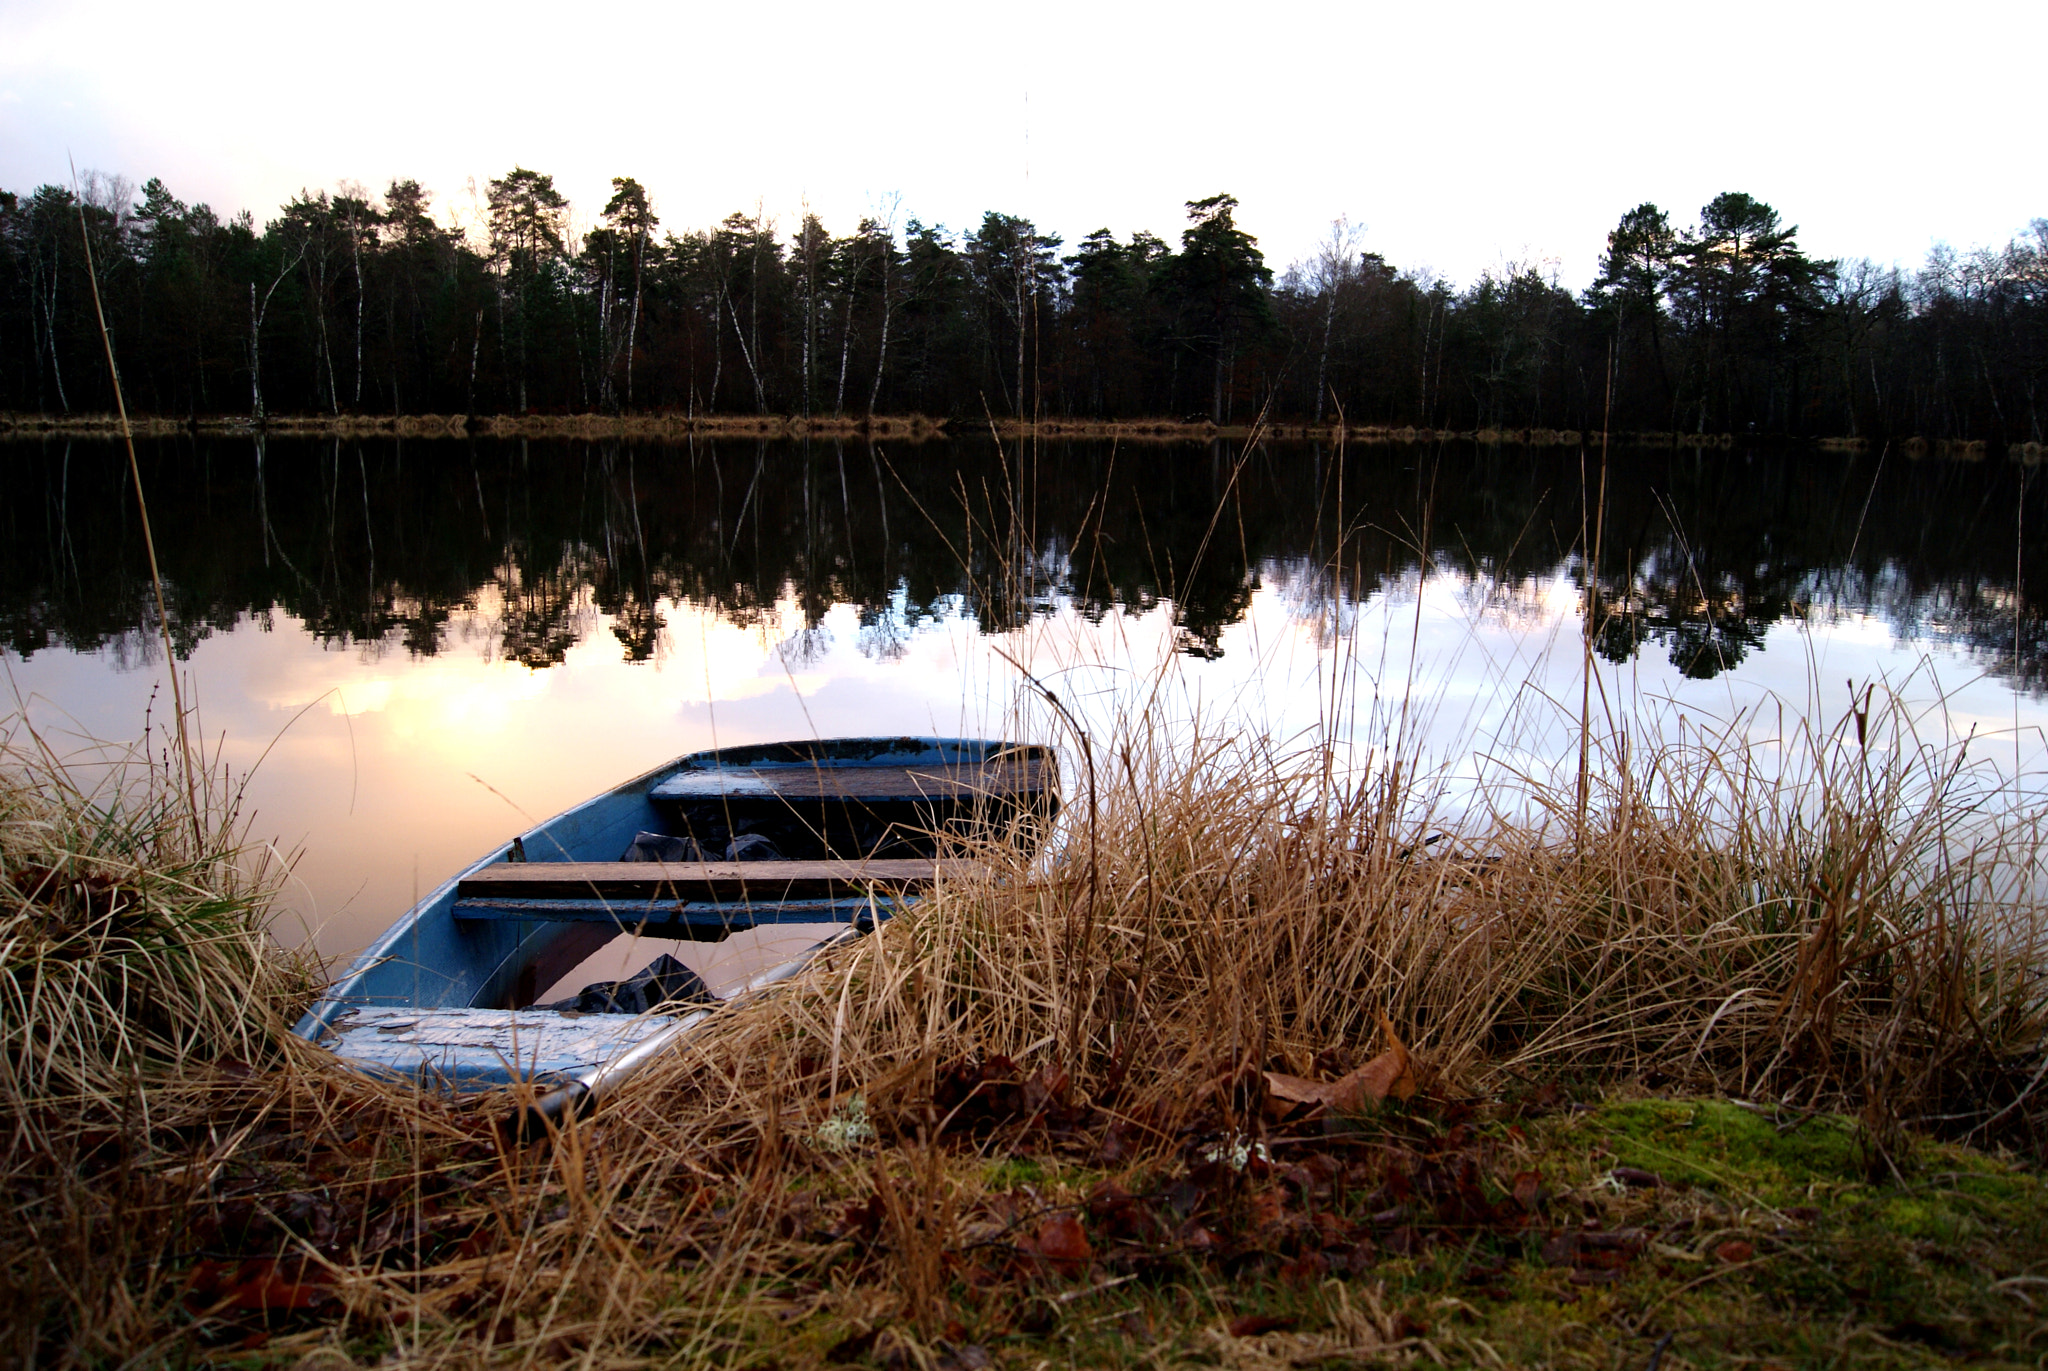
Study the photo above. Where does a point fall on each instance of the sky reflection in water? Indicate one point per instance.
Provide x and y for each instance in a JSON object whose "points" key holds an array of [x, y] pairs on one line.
{"points": [[390, 767]]}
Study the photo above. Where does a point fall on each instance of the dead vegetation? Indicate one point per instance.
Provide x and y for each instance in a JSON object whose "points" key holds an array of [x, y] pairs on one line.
{"points": [[1258, 1071]]}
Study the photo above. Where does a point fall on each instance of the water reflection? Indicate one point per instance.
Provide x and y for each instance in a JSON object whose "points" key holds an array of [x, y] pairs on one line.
{"points": [[395, 546], [489, 632]]}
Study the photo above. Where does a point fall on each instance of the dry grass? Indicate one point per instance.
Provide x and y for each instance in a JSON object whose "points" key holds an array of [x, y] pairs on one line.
{"points": [[134, 944], [1861, 925], [862, 1167]]}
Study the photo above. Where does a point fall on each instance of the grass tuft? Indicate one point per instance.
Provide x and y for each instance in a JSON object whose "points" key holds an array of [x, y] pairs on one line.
{"points": [[134, 943]]}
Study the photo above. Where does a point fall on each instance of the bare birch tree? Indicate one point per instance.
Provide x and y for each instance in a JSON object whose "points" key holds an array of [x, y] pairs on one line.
{"points": [[1335, 268]]}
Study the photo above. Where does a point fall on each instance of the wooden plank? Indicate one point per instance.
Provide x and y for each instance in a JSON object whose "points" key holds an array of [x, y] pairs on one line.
{"points": [[1018, 780], [665, 918], [480, 1047], [747, 882]]}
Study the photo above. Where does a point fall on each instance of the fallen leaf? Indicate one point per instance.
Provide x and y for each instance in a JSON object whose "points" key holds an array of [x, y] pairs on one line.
{"points": [[1114, 1147], [257, 1284], [1061, 1242], [1297, 1089], [1305, 1270], [1392, 1072], [1604, 1251]]}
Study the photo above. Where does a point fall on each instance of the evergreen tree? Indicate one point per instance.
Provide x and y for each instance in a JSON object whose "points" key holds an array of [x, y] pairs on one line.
{"points": [[1222, 292]]}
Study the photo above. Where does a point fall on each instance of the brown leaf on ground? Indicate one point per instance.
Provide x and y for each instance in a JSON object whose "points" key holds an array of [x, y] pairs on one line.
{"points": [[1609, 1251], [1392, 1072], [1063, 1244], [1297, 1089], [257, 1284]]}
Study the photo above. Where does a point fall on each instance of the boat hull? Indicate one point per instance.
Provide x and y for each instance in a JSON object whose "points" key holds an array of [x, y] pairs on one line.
{"points": [[446, 993]]}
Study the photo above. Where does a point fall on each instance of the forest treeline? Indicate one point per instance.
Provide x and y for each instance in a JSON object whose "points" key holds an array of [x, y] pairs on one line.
{"points": [[350, 303]]}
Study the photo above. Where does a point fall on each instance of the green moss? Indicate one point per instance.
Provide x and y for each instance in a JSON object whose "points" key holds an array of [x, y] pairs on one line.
{"points": [[1742, 1153], [1924, 1218], [1012, 1172]]}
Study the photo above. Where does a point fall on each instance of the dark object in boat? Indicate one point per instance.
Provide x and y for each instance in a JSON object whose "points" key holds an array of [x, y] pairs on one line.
{"points": [[663, 847], [663, 981], [666, 847], [753, 847]]}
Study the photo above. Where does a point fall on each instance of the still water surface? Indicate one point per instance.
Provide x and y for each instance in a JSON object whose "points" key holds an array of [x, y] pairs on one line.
{"points": [[429, 646]]}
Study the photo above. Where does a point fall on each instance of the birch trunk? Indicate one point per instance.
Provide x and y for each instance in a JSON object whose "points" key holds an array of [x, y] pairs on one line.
{"points": [[356, 239], [882, 352], [633, 324], [747, 355], [1323, 357], [846, 338]]}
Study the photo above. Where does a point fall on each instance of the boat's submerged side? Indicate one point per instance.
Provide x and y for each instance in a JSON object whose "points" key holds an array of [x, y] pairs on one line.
{"points": [[832, 831]]}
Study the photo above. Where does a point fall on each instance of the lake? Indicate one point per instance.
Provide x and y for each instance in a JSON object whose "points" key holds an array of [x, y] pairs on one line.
{"points": [[424, 647]]}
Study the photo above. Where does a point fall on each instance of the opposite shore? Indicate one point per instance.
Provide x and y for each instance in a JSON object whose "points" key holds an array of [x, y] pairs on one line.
{"points": [[920, 428]]}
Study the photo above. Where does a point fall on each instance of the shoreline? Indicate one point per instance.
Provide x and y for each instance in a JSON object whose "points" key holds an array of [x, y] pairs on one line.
{"points": [[919, 428]]}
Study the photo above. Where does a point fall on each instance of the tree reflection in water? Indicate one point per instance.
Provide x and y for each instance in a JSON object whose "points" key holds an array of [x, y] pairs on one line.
{"points": [[389, 546]]}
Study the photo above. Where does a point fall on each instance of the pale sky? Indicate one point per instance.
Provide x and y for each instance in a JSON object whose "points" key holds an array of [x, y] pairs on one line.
{"points": [[1458, 134]]}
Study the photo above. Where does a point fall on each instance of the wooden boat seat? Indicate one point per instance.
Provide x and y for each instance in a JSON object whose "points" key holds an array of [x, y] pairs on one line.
{"points": [[812, 812], [1008, 778], [693, 899], [669, 881]]}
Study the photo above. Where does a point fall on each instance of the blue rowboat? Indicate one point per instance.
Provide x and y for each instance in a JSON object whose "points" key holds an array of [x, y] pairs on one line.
{"points": [[843, 831]]}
